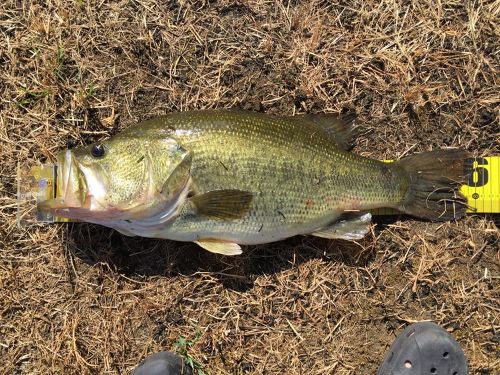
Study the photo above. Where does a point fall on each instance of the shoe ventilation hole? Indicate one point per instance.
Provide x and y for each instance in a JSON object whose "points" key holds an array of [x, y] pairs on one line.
{"points": [[446, 355], [408, 364], [455, 373], [433, 370]]}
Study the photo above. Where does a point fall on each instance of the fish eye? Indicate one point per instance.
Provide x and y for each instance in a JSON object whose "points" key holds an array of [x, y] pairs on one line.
{"points": [[97, 150]]}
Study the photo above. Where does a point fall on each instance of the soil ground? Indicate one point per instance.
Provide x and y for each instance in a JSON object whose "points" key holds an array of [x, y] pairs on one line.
{"points": [[82, 299]]}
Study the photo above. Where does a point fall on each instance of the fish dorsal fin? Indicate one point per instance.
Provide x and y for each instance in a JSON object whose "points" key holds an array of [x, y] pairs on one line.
{"points": [[223, 204], [350, 226], [340, 128], [219, 247]]}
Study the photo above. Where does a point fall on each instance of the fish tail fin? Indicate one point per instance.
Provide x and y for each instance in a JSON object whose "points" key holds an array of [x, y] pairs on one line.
{"points": [[434, 178]]}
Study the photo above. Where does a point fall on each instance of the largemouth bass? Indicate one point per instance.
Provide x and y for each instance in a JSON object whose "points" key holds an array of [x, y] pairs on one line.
{"points": [[225, 178]]}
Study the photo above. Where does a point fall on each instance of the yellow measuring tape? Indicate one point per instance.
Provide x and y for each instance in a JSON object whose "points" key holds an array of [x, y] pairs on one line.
{"points": [[482, 190]]}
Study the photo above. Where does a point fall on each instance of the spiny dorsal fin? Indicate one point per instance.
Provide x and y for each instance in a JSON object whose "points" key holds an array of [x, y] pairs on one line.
{"points": [[219, 247], [341, 128], [349, 227], [223, 204]]}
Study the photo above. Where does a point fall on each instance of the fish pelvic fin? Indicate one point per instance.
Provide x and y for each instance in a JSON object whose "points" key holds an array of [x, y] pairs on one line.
{"points": [[223, 204], [350, 226], [341, 128], [434, 178], [219, 247]]}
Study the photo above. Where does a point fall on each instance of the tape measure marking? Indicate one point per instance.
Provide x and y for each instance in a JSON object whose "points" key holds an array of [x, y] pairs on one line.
{"points": [[483, 186]]}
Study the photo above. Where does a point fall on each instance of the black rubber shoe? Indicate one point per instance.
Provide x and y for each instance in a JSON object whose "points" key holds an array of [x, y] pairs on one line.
{"points": [[163, 363], [424, 349]]}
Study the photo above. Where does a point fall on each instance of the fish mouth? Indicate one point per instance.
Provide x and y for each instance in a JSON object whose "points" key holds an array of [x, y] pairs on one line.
{"points": [[71, 187]]}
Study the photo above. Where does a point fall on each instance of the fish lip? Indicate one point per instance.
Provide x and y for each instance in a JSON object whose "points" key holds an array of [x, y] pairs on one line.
{"points": [[71, 186], [64, 166]]}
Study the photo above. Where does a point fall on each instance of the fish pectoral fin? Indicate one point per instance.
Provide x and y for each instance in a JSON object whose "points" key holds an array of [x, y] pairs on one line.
{"points": [[219, 247], [223, 204], [349, 227]]}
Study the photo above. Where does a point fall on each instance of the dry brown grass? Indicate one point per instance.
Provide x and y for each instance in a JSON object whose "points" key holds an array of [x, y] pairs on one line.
{"points": [[80, 299]]}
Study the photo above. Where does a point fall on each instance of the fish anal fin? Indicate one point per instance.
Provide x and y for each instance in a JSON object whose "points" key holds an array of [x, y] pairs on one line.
{"points": [[219, 247], [340, 128], [223, 204], [348, 227]]}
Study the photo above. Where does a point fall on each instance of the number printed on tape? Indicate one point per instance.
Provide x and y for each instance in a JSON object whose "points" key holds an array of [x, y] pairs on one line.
{"points": [[482, 188]]}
